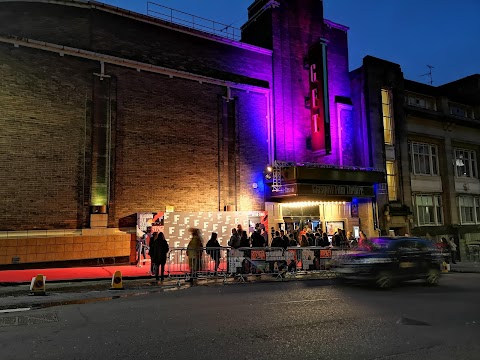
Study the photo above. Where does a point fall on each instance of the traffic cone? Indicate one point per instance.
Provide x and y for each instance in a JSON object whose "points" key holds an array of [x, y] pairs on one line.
{"points": [[37, 286], [117, 282]]}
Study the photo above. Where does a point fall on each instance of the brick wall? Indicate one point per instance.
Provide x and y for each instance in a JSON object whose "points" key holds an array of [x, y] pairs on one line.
{"points": [[165, 129], [42, 116], [167, 147]]}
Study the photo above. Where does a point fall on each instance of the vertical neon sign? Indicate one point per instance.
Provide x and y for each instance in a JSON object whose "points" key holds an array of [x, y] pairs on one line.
{"points": [[319, 104]]}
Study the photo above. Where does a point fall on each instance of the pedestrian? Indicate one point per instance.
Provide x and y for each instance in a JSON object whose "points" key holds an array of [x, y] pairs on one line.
{"points": [[194, 252], [318, 239], [325, 241], [303, 241], [446, 249], [285, 239], [158, 253], [239, 230], [234, 241], [345, 242], [277, 240], [258, 241], [244, 241], [453, 250], [362, 241], [337, 238], [291, 241], [213, 249]]}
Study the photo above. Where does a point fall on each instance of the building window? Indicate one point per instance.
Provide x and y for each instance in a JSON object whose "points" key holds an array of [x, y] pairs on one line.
{"points": [[387, 111], [423, 159], [429, 210], [460, 110], [391, 181], [424, 102], [465, 163], [467, 209]]}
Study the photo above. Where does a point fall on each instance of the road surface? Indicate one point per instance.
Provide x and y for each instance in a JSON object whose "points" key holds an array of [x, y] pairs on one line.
{"points": [[317, 319]]}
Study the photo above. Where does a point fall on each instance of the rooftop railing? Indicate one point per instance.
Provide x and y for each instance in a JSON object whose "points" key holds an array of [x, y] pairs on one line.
{"points": [[191, 21]]}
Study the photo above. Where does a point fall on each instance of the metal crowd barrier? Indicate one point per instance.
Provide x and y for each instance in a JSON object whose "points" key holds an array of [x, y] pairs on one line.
{"points": [[226, 262]]}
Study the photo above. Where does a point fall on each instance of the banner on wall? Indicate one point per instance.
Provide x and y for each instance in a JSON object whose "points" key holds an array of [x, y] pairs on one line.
{"points": [[176, 225]]}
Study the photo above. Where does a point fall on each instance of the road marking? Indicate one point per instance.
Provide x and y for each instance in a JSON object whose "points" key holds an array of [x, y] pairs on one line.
{"points": [[13, 310], [299, 301]]}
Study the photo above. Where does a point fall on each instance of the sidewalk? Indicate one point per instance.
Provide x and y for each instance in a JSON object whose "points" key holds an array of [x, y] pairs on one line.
{"points": [[465, 267]]}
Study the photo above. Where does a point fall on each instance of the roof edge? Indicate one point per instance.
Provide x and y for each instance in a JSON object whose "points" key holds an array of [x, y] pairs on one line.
{"points": [[147, 19]]}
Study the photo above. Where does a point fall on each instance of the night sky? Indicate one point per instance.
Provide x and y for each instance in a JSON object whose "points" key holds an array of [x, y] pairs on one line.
{"points": [[412, 33]]}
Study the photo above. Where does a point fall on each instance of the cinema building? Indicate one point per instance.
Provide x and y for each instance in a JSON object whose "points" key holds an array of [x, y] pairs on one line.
{"points": [[107, 114]]}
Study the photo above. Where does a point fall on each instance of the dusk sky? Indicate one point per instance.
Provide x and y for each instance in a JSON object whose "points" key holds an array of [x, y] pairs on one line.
{"points": [[412, 33]]}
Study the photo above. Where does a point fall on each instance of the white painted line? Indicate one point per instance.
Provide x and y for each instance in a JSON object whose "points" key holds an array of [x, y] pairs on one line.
{"points": [[299, 301], [13, 310]]}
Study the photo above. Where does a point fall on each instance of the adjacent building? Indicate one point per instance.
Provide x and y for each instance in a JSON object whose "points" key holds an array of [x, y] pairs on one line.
{"points": [[430, 137]]}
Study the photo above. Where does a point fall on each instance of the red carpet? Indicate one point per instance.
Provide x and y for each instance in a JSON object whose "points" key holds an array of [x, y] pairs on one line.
{"points": [[93, 272], [63, 274]]}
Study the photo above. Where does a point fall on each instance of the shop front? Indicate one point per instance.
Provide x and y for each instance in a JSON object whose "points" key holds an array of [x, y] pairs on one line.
{"points": [[326, 200]]}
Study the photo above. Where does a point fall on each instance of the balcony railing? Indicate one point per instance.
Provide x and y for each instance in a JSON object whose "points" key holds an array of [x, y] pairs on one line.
{"points": [[193, 22]]}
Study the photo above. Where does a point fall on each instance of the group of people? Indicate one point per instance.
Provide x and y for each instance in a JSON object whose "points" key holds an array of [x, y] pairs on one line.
{"points": [[304, 238], [158, 248]]}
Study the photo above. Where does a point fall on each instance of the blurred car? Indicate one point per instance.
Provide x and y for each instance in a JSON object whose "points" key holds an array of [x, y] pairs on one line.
{"points": [[385, 261]]}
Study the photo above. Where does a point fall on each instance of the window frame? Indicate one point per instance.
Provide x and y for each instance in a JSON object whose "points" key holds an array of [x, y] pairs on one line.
{"points": [[432, 155], [475, 209], [388, 119], [436, 212], [472, 163], [391, 191], [430, 103]]}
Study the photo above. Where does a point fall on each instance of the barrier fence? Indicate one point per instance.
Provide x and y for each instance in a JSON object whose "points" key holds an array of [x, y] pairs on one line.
{"points": [[243, 262]]}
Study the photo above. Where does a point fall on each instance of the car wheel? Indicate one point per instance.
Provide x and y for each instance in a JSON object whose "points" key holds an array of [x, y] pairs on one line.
{"points": [[433, 276], [384, 280]]}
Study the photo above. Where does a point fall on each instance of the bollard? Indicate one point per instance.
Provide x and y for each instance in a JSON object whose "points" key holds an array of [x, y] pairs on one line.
{"points": [[37, 286], [117, 282]]}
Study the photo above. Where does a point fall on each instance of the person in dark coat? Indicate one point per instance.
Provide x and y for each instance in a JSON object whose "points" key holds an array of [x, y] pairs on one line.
{"points": [[325, 241], [292, 241], [158, 253], [277, 240], [213, 249], [285, 239], [153, 238], [258, 241], [244, 240]]}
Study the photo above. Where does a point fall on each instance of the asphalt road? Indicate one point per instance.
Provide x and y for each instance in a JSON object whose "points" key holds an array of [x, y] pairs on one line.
{"points": [[292, 320]]}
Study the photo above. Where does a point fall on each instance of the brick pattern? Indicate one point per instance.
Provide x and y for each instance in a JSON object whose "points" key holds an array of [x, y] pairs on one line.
{"points": [[42, 116], [31, 250], [165, 128], [167, 149]]}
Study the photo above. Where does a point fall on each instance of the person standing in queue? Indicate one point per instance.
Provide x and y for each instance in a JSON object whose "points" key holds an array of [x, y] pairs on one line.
{"points": [[213, 249], [194, 252], [158, 252]]}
